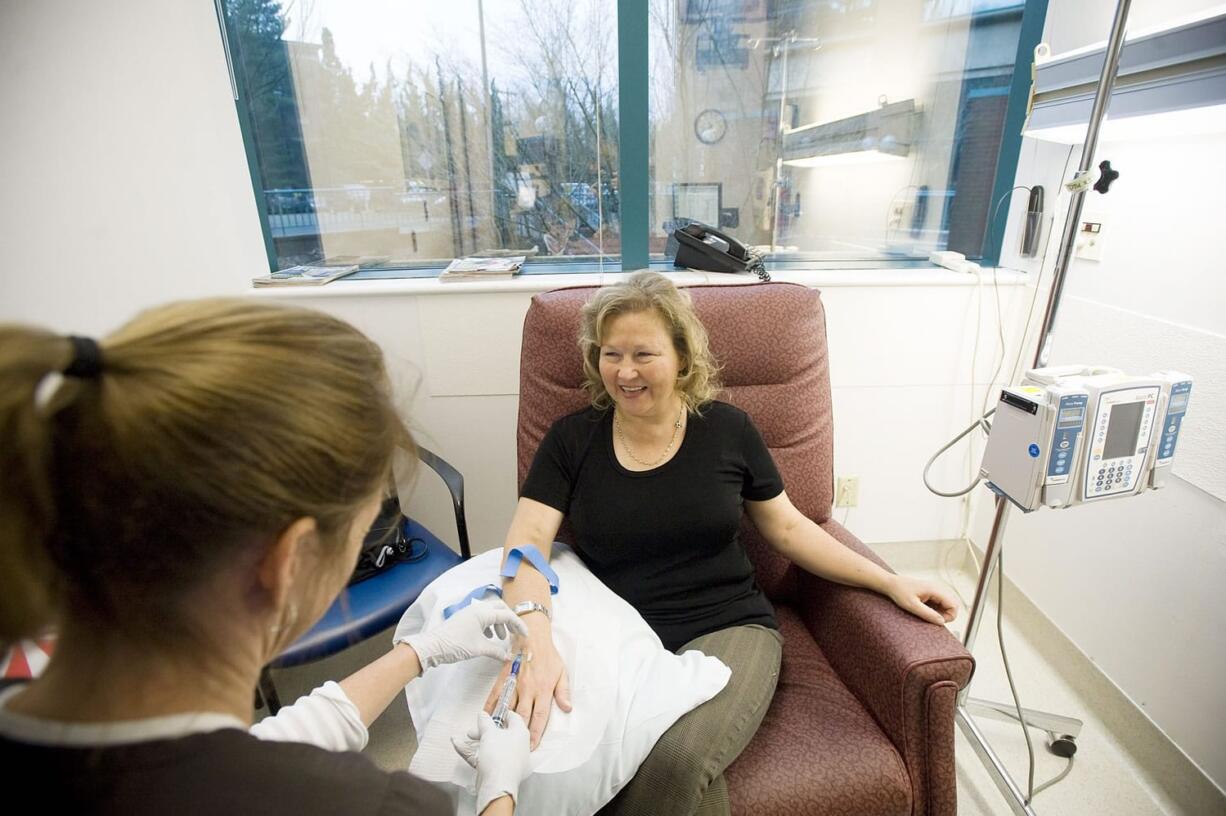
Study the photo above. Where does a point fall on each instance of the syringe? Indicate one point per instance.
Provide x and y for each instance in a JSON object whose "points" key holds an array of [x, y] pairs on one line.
{"points": [[508, 691]]}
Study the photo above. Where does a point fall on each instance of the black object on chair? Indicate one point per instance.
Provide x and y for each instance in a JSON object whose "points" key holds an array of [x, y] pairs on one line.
{"points": [[366, 608]]}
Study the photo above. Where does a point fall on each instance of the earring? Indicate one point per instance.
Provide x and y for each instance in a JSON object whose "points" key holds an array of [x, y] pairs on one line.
{"points": [[290, 618]]}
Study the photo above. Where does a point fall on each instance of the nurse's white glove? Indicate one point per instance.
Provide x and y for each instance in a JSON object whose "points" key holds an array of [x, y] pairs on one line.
{"points": [[499, 755], [480, 629]]}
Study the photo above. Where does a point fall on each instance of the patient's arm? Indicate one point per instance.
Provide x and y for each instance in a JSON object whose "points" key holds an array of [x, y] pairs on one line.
{"points": [[799, 539], [543, 678]]}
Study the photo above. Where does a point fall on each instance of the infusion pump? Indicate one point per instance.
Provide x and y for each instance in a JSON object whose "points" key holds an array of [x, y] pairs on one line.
{"points": [[1076, 434]]}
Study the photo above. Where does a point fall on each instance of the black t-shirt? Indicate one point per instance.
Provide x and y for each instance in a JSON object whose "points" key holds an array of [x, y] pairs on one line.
{"points": [[225, 772], [668, 539]]}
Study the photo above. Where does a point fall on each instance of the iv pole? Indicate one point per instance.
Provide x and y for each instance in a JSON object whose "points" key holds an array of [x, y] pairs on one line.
{"points": [[1067, 727]]}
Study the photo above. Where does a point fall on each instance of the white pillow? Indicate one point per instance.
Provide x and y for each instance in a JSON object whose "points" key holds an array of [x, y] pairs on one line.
{"points": [[626, 690]]}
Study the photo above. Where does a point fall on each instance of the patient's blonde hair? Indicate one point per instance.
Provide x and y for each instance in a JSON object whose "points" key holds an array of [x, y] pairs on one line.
{"points": [[698, 380], [212, 426]]}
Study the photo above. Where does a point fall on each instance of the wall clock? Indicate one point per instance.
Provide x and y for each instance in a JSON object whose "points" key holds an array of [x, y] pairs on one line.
{"points": [[710, 126]]}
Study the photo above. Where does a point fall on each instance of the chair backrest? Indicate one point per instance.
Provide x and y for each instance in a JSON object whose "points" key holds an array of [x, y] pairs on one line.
{"points": [[770, 340]]}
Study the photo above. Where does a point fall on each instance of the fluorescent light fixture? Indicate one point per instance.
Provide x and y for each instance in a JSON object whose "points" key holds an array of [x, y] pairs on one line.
{"points": [[878, 134], [1170, 81], [1189, 122], [845, 159]]}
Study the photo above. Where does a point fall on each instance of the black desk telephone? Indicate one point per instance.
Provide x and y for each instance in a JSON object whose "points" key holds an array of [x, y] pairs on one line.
{"points": [[706, 248]]}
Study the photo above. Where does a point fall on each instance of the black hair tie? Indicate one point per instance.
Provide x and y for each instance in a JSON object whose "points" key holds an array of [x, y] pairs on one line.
{"points": [[86, 358]]}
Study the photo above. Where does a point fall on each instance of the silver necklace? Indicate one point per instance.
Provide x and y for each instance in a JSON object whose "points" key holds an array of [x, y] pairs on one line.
{"points": [[617, 425]]}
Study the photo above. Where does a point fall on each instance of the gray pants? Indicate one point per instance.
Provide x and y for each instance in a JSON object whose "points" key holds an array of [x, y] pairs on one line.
{"points": [[683, 774]]}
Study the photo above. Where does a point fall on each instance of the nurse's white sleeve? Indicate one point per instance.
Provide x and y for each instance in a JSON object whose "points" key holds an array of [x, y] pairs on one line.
{"points": [[326, 718]]}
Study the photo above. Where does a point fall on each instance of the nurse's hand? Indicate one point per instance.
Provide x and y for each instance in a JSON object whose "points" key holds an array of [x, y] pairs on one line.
{"points": [[542, 679], [499, 755], [924, 599], [480, 629]]}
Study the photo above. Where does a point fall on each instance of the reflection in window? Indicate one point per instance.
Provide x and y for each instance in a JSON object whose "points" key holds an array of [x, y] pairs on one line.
{"points": [[833, 129], [407, 133]]}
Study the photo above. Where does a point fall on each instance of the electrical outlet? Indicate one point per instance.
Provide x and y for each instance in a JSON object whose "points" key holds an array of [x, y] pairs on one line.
{"points": [[895, 219], [847, 491], [1089, 242]]}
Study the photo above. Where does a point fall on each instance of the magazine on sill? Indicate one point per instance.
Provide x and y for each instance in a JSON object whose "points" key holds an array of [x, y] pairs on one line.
{"points": [[482, 268], [305, 275]]}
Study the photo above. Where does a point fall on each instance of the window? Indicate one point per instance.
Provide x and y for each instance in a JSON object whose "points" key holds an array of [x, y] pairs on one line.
{"points": [[838, 130], [402, 135]]}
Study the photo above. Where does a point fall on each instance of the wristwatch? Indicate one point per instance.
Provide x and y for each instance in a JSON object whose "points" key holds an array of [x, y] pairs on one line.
{"points": [[524, 607]]}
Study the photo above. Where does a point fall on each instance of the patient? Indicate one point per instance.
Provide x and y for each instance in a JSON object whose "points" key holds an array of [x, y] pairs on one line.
{"points": [[183, 503], [653, 478]]}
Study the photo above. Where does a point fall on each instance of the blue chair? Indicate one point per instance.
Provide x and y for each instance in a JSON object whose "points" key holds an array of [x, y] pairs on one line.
{"points": [[368, 607]]}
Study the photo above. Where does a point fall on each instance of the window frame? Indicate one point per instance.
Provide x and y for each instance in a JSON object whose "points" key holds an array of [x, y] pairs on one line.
{"points": [[634, 145]]}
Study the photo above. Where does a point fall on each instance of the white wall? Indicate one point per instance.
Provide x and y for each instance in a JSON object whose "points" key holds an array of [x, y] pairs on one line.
{"points": [[1137, 584], [124, 179]]}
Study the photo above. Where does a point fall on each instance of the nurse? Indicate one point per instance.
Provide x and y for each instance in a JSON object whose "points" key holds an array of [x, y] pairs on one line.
{"points": [[182, 501]]}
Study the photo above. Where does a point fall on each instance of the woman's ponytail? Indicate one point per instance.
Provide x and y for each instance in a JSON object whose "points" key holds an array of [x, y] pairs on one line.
{"points": [[28, 357]]}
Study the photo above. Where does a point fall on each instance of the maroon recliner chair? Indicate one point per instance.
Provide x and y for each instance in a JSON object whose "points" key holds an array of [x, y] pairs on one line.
{"points": [[862, 723]]}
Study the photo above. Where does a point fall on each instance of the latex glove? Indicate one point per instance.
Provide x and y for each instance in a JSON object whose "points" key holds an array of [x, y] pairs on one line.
{"points": [[478, 630], [499, 755]]}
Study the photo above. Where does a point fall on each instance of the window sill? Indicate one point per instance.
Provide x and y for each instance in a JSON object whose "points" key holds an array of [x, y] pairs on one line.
{"points": [[817, 278]]}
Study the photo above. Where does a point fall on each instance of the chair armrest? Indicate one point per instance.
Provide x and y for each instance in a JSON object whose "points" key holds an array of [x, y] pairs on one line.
{"points": [[905, 672], [455, 485]]}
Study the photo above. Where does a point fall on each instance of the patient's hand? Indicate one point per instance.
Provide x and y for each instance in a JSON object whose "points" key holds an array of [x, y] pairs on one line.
{"points": [[542, 679], [924, 599]]}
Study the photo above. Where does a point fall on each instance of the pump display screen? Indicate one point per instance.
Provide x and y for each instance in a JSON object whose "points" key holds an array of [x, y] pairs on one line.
{"points": [[1178, 403], [1122, 430], [1070, 415]]}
